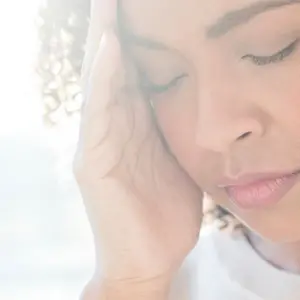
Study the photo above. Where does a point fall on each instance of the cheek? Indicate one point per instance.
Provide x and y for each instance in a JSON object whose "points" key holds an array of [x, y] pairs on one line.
{"points": [[282, 100], [289, 110], [176, 114], [177, 118]]}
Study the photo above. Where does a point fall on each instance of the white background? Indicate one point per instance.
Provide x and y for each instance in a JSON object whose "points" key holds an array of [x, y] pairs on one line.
{"points": [[45, 242]]}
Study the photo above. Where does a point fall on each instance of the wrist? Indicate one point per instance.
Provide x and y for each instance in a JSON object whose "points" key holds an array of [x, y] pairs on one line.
{"points": [[104, 289]]}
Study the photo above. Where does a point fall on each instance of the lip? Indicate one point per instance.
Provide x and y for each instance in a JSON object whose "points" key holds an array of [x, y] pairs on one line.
{"points": [[254, 191]]}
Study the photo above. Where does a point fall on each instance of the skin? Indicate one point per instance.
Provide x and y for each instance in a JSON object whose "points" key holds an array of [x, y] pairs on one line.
{"points": [[205, 114], [144, 209], [225, 116]]}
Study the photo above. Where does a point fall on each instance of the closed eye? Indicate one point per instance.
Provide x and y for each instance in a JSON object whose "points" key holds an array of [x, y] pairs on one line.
{"points": [[275, 58], [151, 88]]}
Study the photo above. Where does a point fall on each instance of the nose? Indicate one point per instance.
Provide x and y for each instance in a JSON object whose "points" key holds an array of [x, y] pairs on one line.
{"points": [[226, 117]]}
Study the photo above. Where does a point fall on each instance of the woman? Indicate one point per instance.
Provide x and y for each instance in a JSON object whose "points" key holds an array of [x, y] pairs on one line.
{"points": [[184, 98]]}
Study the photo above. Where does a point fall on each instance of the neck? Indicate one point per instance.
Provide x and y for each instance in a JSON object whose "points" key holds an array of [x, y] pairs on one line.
{"points": [[282, 256]]}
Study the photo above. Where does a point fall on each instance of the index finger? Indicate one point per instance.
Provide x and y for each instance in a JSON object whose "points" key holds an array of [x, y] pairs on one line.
{"points": [[103, 15]]}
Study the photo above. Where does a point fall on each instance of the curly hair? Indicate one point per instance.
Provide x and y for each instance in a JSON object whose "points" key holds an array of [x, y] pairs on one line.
{"points": [[63, 27]]}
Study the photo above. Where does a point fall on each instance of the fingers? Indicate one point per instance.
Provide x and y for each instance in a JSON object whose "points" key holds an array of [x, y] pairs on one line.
{"points": [[101, 89], [103, 15]]}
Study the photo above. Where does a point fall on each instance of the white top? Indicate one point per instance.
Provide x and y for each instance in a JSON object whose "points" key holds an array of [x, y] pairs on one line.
{"points": [[224, 266]]}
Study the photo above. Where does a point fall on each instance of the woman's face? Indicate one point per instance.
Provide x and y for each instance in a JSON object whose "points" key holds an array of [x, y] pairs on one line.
{"points": [[224, 79]]}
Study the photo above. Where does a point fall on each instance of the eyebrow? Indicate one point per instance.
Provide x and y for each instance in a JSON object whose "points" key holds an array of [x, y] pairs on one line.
{"points": [[239, 17], [222, 26], [130, 38]]}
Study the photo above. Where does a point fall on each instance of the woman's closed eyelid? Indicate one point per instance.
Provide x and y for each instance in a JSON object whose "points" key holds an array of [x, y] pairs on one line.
{"points": [[153, 88], [275, 57]]}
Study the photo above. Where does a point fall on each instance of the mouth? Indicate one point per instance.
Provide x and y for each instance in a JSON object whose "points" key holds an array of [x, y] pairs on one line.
{"points": [[256, 191]]}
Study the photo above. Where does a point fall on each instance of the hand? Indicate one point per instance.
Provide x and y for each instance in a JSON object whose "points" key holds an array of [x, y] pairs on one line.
{"points": [[144, 210]]}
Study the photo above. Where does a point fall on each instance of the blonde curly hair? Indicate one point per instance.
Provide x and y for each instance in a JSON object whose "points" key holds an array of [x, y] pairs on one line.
{"points": [[62, 29]]}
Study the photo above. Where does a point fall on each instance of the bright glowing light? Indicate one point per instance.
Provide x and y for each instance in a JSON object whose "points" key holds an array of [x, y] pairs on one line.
{"points": [[20, 105], [46, 247]]}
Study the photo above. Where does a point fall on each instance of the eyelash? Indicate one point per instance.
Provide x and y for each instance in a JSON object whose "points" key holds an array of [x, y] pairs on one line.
{"points": [[150, 88], [275, 58]]}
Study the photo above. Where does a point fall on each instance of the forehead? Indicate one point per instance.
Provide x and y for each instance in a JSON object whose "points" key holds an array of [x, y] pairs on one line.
{"points": [[170, 19]]}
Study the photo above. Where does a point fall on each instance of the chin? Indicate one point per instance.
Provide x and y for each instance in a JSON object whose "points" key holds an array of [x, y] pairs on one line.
{"points": [[276, 233], [278, 224]]}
